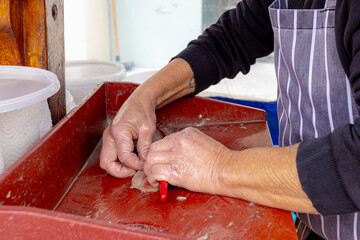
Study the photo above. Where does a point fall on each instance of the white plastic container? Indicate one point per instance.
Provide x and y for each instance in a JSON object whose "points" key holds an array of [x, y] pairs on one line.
{"points": [[24, 113], [81, 77]]}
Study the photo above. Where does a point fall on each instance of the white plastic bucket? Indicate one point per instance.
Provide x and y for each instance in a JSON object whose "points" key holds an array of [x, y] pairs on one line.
{"points": [[24, 113], [81, 77]]}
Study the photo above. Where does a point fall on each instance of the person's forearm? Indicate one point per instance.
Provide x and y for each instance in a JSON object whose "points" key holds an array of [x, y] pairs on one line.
{"points": [[172, 82], [266, 176]]}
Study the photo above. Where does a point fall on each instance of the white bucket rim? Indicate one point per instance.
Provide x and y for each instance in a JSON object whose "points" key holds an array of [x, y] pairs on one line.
{"points": [[77, 82], [28, 73]]}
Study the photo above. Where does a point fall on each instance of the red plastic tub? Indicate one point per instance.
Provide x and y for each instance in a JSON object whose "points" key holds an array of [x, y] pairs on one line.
{"points": [[58, 191]]}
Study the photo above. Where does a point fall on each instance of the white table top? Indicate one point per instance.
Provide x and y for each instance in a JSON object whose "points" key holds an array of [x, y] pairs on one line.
{"points": [[258, 85]]}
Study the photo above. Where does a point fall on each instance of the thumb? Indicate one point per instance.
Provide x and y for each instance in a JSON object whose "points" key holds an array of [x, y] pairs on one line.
{"points": [[144, 141]]}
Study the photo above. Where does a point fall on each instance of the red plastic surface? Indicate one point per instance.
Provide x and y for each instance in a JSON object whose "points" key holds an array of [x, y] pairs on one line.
{"points": [[32, 223], [42, 175], [52, 176]]}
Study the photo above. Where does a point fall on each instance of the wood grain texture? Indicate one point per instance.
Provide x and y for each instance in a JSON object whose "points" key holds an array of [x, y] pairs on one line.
{"points": [[35, 33], [16, 17], [56, 54], [9, 53]]}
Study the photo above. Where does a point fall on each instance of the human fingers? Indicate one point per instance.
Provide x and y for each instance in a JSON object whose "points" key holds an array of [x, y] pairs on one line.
{"points": [[194, 158], [108, 158], [124, 144], [168, 143], [146, 134], [120, 170], [160, 172], [154, 158], [108, 150]]}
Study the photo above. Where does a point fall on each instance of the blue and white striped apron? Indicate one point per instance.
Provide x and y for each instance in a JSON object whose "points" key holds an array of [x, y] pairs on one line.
{"points": [[314, 94]]}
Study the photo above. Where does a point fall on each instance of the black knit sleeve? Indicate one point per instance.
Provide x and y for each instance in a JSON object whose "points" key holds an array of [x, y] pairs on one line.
{"points": [[231, 45], [329, 167]]}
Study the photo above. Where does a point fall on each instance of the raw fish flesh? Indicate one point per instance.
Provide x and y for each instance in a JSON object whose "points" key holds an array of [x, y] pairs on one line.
{"points": [[140, 182]]}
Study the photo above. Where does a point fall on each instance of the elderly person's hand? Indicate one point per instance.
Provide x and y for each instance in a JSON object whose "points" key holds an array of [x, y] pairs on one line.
{"points": [[188, 159], [192, 160], [134, 121]]}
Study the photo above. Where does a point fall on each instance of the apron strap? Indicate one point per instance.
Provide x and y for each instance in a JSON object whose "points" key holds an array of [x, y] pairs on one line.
{"points": [[330, 4]]}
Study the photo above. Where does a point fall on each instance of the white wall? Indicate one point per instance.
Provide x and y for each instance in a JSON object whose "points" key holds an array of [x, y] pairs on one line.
{"points": [[87, 29], [152, 31]]}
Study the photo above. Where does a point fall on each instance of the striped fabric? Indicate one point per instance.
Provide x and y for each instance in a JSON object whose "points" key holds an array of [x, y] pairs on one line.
{"points": [[314, 94]]}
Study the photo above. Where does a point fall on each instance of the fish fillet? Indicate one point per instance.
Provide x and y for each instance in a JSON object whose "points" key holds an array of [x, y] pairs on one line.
{"points": [[140, 182]]}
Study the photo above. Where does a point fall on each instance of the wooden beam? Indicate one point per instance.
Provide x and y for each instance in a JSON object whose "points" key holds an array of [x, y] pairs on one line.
{"points": [[56, 54], [16, 15], [34, 25], [9, 53]]}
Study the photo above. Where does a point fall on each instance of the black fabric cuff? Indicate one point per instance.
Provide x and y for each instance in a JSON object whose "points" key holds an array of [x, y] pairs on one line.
{"points": [[320, 179], [345, 142], [204, 68]]}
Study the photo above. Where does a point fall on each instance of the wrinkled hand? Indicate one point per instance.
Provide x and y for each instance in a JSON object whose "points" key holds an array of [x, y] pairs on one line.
{"points": [[134, 121], [188, 159]]}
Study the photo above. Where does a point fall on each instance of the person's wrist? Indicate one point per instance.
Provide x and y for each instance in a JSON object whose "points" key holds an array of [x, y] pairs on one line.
{"points": [[144, 97], [221, 175]]}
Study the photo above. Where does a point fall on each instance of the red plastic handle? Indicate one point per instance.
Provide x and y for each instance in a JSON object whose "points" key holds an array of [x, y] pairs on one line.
{"points": [[163, 190]]}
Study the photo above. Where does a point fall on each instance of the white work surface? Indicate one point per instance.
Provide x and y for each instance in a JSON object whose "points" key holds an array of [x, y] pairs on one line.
{"points": [[258, 85]]}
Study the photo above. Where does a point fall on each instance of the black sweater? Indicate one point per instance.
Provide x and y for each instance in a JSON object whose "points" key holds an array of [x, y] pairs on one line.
{"points": [[244, 34]]}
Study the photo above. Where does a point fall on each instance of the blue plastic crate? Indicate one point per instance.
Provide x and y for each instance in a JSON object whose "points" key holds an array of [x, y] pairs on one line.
{"points": [[271, 114]]}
